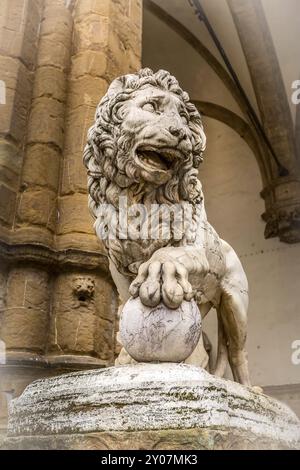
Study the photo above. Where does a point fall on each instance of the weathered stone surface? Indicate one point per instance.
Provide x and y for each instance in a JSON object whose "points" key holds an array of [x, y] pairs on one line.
{"points": [[42, 157], [54, 45], [3, 279], [28, 288], [73, 174], [167, 439], [79, 241], [86, 91], [82, 315], [159, 333], [73, 217], [25, 328], [78, 122], [92, 63], [57, 22], [46, 53], [49, 113], [89, 35], [135, 12], [133, 61], [37, 207], [35, 56], [50, 82], [86, 7], [18, 37], [75, 331], [25, 318], [15, 378], [14, 113], [161, 401], [7, 204], [10, 163], [45, 133]]}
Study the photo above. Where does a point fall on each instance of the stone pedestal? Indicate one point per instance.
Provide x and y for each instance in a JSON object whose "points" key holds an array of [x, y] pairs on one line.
{"points": [[148, 406]]}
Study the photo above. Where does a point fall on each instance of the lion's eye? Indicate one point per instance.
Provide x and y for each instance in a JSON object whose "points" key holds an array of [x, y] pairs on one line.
{"points": [[149, 107]]}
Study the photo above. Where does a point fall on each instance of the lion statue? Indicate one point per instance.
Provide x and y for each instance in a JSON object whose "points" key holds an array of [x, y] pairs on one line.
{"points": [[146, 146]]}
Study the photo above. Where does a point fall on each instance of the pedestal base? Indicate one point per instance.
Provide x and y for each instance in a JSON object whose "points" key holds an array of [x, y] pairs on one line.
{"points": [[148, 406]]}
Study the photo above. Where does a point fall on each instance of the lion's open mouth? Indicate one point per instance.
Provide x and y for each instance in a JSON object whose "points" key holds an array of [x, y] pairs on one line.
{"points": [[158, 159]]}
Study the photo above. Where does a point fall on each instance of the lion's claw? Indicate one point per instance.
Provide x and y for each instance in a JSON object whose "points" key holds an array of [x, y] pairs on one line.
{"points": [[162, 281], [150, 293]]}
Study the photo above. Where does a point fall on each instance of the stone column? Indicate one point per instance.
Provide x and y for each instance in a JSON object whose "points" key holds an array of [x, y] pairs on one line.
{"points": [[35, 217], [19, 27], [37, 209], [19, 32], [282, 195], [36, 38], [106, 43], [57, 301], [262, 61]]}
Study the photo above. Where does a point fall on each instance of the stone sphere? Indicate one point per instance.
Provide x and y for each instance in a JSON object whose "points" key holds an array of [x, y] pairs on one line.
{"points": [[159, 334]]}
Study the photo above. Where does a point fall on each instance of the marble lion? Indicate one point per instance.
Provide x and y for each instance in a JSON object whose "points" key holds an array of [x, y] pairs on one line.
{"points": [[146, 145]]}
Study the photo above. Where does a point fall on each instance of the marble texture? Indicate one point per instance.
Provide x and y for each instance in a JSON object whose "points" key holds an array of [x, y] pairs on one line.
{"points": [[159, 333], [146, 145], [153, 398]]}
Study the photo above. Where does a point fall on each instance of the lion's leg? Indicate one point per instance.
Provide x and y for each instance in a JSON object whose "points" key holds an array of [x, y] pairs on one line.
{"points": [[199, 356], [122, 283], [124, 358], [233, 310]]}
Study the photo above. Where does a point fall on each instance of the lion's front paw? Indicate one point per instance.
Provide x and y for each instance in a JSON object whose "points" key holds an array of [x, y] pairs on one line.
{"points": [[166, 281]]}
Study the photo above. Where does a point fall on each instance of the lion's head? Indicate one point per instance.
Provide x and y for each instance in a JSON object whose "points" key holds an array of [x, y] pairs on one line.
{"points": [[147, 136]]}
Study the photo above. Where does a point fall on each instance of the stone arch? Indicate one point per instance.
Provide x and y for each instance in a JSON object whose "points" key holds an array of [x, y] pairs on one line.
{"points": [[231, 119], [281, 193], [244, 128], [199, 47]]}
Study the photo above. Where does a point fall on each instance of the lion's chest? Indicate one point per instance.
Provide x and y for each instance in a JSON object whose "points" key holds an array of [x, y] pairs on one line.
{"points": [[134, 242], [128, 254]]}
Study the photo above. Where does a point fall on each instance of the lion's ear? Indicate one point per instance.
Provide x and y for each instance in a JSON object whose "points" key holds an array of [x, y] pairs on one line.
{"points": [[116, 86]]}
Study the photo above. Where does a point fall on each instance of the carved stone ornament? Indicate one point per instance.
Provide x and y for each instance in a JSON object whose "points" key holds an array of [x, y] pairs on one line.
{"points": [[142, 155], [283, 223], [84, 288]]}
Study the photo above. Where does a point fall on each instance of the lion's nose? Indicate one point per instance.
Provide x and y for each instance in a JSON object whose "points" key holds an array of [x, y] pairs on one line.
{"points": [[178, 132]]}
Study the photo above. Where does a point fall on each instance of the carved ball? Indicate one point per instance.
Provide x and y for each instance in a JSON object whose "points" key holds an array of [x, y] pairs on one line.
{"points": [[159, 334]]}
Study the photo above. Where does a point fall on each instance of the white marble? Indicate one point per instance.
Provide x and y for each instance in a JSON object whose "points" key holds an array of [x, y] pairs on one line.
{"points": [[146, 145], [160, 333], [148, 397]]}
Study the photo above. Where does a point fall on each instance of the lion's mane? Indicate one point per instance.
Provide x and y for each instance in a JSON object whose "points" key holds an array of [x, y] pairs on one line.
{"points": [[106, 179]]}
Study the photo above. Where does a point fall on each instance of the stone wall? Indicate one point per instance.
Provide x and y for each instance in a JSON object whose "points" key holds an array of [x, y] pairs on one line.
{"points": [[57, 300]]}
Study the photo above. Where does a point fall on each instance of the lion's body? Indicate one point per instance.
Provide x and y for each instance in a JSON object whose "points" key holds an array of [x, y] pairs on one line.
{"points": [[146, 145]]}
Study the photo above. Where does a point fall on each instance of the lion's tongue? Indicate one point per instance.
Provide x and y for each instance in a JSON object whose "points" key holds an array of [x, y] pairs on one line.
{"points": [[154, 159]]}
